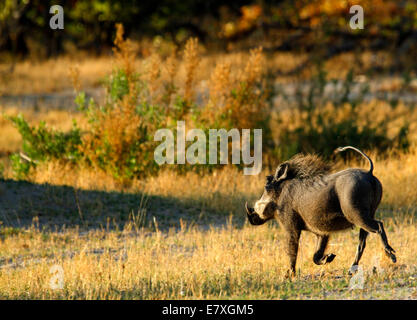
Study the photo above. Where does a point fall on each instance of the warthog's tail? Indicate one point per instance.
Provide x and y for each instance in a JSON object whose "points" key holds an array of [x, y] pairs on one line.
{"points": [[340, 149]]}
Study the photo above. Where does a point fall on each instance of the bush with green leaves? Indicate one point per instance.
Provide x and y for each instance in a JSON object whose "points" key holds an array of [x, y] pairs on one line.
{"points": [[41, 143]]}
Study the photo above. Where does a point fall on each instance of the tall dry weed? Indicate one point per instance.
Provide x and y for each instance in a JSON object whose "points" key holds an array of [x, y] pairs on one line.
{"points": [[170, 87], [74, 74], [191, 61], [124, 52], [238, 99]]}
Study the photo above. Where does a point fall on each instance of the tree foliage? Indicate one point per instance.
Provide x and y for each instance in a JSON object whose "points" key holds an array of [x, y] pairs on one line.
{"points": [[294, 25]]}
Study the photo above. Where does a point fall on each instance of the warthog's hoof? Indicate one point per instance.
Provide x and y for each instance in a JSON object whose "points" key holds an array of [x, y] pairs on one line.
{"points": [[289, 274], [330, 257], [353, 269], [390, 253], [323, 260]]}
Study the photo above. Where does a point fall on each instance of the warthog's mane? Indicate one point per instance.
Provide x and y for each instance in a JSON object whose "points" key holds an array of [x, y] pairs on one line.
{"points": [[306, 166]]}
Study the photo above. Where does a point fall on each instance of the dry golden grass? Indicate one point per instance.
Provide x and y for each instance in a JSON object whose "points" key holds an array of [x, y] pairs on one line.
{"points": [[52, 75], [190, 263]]}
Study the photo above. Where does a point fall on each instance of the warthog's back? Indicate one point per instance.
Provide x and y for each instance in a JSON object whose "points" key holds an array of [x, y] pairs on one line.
{"points": [[323, 204]]}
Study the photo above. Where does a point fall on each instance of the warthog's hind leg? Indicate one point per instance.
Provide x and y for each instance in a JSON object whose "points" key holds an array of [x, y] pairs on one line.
{"points": [[319, 256], [375, 226], [363, 234], [389, 251]]}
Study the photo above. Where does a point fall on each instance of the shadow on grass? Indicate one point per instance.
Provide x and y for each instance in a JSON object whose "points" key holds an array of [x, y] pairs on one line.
{"points": [[23, 204]]}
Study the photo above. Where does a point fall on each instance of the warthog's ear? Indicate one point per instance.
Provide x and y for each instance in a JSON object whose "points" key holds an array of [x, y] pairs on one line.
{"points": [[281, 172]]}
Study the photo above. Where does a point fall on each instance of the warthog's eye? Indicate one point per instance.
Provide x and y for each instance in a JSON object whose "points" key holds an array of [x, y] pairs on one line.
{"points": [[270, 183], [269, 179], [269, 187]]}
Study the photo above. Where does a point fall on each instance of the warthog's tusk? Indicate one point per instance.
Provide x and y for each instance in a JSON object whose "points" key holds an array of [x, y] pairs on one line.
{"points": [[248, 210]]}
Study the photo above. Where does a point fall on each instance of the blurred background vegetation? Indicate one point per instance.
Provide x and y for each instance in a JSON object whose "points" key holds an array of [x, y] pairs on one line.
{"points": [[293, 68], [279, 25]]}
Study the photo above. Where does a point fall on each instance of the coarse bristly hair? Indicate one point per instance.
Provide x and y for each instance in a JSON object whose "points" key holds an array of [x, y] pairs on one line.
{"points": [[305, 166]]}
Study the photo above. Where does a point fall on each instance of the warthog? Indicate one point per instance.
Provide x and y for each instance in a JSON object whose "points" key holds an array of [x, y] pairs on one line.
{"points": [[304, 195]]}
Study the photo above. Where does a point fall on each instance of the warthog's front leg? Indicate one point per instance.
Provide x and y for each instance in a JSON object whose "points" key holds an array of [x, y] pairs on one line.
{"points": [[293, 237], [319, 257]]}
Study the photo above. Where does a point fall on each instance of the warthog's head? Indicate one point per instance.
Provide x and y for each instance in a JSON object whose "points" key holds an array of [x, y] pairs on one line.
{"points": [[302, 167], [266, 206]]}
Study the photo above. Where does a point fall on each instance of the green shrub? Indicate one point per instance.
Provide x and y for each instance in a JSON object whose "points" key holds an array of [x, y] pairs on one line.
{"points": [[41, 143]]}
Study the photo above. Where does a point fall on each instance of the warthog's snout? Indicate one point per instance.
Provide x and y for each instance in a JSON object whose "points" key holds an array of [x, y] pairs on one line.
{"points": [[253, 217]]}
